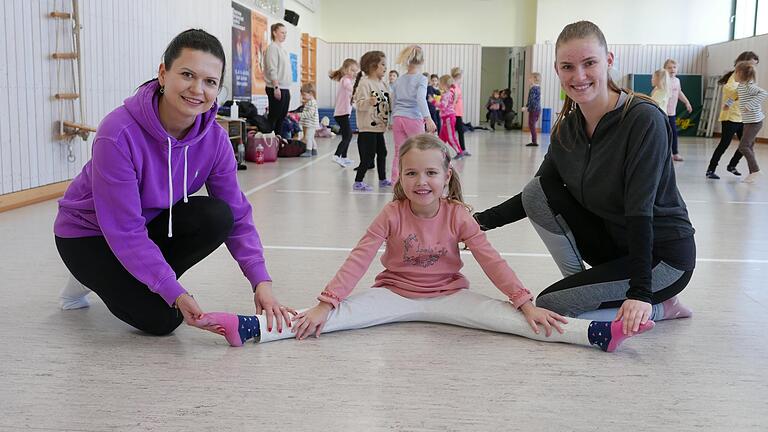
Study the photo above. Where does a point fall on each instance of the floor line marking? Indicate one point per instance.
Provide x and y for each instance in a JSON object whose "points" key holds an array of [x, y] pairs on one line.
{"points": [[302, 191], [291, 172]]}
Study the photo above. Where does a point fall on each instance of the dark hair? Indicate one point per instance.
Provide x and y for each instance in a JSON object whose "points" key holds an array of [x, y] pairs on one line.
{"points": [[745, 56], [368, 62], [434, 76], [195, 39]]}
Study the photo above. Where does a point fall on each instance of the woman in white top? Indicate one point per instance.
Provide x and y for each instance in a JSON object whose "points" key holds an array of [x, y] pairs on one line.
{"points": [[277, 74]]}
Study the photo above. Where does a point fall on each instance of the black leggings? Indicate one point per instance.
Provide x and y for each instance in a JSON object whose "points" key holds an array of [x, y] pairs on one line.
{"points": [[278, 109], [729, 128], [460, 131], [571, 231], [371, 145], [199, 227], [346, 135]]}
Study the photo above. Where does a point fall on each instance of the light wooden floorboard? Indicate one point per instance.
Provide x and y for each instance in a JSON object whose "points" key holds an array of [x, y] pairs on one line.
{"points": [[86, 371]]}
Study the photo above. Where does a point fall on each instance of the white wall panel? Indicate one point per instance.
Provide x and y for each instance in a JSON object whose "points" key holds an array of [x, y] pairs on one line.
{"points": [[439, 59], [121, 43], [630, 59]]}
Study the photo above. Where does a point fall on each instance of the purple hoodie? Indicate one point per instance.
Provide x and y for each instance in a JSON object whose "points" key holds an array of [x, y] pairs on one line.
{"points": [[126, 184]]}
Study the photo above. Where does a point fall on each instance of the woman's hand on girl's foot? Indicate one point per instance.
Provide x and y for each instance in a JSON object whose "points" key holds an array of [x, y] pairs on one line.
{"points": [[536, 315], [632, 313], [311, 321], [266, 302]]}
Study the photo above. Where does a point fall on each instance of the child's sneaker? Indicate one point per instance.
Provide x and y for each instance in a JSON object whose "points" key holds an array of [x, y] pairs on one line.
{"points": [[752, 177], [385, 183], [733, 171], [361, 187], [306, 154], [348, 161], [466, 153], [314, 152], [338, 160]]}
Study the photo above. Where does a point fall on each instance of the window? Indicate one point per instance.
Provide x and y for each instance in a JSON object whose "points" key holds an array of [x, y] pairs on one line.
{"points": [[749, 18]]}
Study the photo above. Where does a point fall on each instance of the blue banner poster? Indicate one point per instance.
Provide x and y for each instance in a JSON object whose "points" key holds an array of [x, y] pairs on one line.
{"points": [[241, 52], [295, 67]]}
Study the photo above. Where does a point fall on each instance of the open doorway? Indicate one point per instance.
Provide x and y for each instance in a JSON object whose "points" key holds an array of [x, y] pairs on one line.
{"points": [[503, 68]]}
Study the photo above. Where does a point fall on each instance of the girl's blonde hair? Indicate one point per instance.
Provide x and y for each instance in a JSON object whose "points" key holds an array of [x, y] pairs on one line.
{"points": [[431, 142], [368, 62], [536, 77], [669, 61], [584, 30], [456, 71], [308, 88], [744, 72], [339, 73], [662, 77], [412, 55], [445, 82]]}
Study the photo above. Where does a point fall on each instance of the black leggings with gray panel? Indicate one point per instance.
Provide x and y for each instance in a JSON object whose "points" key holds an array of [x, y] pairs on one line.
{"points": [[575, 236]]}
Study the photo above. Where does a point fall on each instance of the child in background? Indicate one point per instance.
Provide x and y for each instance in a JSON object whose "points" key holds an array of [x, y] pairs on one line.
{"points": [[309, 119], [751, 99], [495, 107], [675, 93], [659, 94], [448, 114], [372, 107], [533, 107], [421, 281], [409, 107], [345, 75], [393, 75], [458, 104], [433, 96]]}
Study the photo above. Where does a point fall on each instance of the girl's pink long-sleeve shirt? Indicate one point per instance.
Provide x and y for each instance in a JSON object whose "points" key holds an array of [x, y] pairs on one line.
{"points": [[422, 256], [446, 104]]}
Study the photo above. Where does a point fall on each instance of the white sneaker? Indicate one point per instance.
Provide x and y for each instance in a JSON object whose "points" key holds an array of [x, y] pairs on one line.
{"points": [[752, 177], [338, 160], [348, 162], [73, 296]]}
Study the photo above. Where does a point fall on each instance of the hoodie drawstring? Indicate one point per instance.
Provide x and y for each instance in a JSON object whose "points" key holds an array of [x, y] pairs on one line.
{"points": [[170, 192], [170, 186], [186, 148]]}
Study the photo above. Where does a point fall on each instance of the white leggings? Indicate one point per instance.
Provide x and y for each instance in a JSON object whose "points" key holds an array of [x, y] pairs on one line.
{"points": [[464, 308]]}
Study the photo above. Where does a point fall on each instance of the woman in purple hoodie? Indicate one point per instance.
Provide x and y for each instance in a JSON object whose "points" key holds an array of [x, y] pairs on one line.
{"points": [[127, 228]]}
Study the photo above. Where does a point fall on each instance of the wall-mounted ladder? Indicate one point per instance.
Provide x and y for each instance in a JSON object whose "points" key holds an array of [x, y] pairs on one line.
{"points": [[69, 125], [711, 107]]}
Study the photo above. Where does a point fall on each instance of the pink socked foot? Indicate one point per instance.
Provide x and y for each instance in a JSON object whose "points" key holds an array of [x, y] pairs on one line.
{"points": [[674, 309], [228, 321], [618, 336]]}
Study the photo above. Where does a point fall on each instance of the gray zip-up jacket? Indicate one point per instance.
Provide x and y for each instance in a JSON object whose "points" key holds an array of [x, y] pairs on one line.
{"points": [[624, 175]]}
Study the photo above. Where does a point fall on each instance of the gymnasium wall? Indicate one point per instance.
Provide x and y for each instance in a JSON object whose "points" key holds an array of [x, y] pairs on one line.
{"points": [[662, 22], [121, 42]]}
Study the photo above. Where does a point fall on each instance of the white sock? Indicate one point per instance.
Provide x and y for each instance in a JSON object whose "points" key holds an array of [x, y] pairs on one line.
{"points": [[73, 296]]}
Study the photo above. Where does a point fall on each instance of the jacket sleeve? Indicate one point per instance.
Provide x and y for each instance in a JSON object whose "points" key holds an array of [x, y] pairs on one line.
{"points": [[243, 242], [643, 167], [117, 204], [358, 261], [494, 266]]}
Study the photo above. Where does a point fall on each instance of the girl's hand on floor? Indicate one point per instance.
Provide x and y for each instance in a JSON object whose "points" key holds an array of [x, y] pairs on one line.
{"points": [[311, 321], [266, 302], [632, 313], [536, 315]]}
